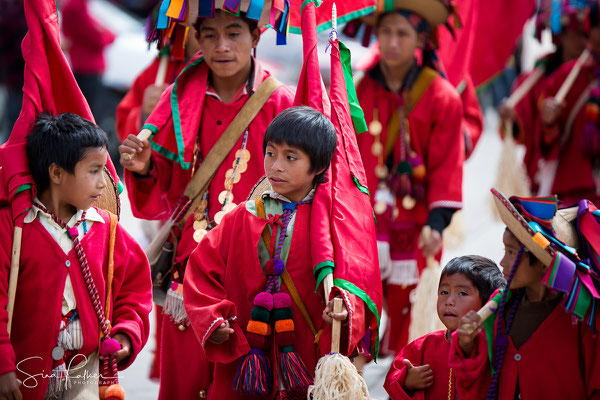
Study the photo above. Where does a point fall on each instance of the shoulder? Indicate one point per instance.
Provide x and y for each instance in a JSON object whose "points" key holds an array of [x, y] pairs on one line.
{"points": [[441, 87]]}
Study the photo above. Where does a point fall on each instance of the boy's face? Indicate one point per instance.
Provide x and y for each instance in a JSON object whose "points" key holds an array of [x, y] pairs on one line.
{"points": [[526, 275], [288, 170], [84, 186], [226, 44], [456, 296], [397, 39]]}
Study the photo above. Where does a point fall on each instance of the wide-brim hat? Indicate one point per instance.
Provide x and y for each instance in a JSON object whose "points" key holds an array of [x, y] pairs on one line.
{"points": [[435, 12], [538, 224]]}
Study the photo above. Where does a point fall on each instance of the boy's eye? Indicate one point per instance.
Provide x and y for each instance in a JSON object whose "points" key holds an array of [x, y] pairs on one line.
{"points": [[269, 153], [443, 292], [292, 158], [463, 293]]}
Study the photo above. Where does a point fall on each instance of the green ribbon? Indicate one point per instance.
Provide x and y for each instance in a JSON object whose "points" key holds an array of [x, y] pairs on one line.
{"points": [[358, 116]]}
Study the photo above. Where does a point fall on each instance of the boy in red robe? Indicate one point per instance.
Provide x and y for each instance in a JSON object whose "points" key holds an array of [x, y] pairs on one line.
{"points": [[188, 121], [413, 154], [542, 341], [236, 301], [421, 368], [49, 343]]}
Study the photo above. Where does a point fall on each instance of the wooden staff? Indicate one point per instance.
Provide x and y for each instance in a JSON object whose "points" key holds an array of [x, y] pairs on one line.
{"points": [[566, 86], [488, 309], [14, 273], [525, 87]]}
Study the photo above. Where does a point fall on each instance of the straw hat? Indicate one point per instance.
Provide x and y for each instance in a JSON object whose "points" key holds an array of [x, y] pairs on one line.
{"points": [[527, 228], [109, 200], [435, 12]]}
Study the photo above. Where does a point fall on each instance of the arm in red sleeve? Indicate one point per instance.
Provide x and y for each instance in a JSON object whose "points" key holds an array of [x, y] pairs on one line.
{"points": [[472, 126], [472, 373], [206, 300], [132, 293], [591, 360], [148, 194], [7, 354], [394, 380], [445, 155]]}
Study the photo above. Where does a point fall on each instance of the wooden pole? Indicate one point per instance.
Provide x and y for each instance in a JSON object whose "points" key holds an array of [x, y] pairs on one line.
{"points": [[566, 86], [14, 273], [336, 327]]}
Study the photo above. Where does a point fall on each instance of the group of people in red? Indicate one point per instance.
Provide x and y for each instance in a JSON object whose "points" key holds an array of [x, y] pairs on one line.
{"points": [[242, 312]]}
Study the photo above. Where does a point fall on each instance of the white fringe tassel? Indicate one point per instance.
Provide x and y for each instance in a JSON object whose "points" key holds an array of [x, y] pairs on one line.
{"points": [[336, 378], [174, 308]]}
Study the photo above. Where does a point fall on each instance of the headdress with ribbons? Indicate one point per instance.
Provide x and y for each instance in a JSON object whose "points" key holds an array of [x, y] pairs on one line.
{"points": [[174, 15], [566, 241], [559, 15]]}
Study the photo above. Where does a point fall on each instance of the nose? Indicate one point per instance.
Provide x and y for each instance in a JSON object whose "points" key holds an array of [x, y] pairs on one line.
{"points": [[222, 45], [277, 164], [451, 300], [102, 181]]}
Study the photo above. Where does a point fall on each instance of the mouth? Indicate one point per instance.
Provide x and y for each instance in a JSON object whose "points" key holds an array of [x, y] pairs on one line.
{"points": [[448, 314], [96, 197], [275, 180]]}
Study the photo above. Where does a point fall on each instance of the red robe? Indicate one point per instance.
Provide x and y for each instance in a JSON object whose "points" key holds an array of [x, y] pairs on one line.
{"points": [[129, 110], [224, 274], [435, 135], [573, 180], [42, 275], [431, 349], [560, 360], [155, 197]]}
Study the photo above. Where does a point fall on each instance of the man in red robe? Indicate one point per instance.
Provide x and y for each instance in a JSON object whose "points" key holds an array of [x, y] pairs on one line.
{"points": [[413, 155], [187, 122]]}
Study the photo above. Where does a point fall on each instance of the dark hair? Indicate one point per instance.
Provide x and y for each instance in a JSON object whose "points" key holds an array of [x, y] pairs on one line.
{"points": [[252, 24], [307, 129], [532, 258], [62, 140], [481, 271]]}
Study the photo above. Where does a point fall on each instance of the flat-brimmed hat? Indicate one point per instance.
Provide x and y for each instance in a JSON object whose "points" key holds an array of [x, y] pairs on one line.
{"points": [[435, 12], [566, 241]]}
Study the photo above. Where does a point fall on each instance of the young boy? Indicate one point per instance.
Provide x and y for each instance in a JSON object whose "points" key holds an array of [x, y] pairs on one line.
{"points": [[422, 366], [235, 270], [209, 94], [55, 326], [538, 348]]}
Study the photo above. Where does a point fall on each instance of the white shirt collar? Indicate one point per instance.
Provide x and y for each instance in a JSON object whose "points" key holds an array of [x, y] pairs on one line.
{"points": [[91, 214]]}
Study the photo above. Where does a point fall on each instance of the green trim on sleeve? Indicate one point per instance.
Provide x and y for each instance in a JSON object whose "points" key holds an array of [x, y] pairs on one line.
{"points": [[362, 188], [23, 188], [321, 270], [358, 292], [150, 127], [120, 188], [357, 113]]}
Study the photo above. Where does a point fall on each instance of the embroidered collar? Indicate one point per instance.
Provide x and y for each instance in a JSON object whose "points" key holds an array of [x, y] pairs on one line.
{"points": [[276, 196]]}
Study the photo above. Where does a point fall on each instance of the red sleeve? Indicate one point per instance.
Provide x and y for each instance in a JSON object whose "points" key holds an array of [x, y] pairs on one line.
{"points": [[397, 373], [473, 374], [7, 354], [132, 293], [148, 194], [445, 154], [79, 25], [206, 299], [472, 118]]}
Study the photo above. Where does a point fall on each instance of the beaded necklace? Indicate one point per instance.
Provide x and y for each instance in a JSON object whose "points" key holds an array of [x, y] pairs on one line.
{"points": [[202, 224]]}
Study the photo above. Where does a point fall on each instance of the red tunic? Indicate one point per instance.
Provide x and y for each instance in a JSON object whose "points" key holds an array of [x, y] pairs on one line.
{"points": [[559, 361], [129, 110], [564, 140], [155, 197], [224, 274], [42, 274], [87, 38], [431, 349]]}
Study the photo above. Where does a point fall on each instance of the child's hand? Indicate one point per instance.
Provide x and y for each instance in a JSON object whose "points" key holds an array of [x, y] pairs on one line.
{"points": [[125, 350], [9, 386], [221, 334], [469, 328], [417, 378], [329, 315], [135, 155]]}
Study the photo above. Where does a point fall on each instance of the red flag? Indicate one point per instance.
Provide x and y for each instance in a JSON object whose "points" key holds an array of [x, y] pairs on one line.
{"points": [[342, 223], [499, 25], [456, 51], [49, 85], [346, 10]]}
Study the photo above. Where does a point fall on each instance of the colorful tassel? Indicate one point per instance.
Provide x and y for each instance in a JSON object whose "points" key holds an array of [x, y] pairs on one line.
{"points": [[108, 347], [294, 374], [114, 392], [253, 375]]}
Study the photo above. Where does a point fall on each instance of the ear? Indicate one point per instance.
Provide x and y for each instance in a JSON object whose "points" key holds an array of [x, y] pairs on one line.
{"points": [[56, 174], [255, 37], [421, 40]]}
